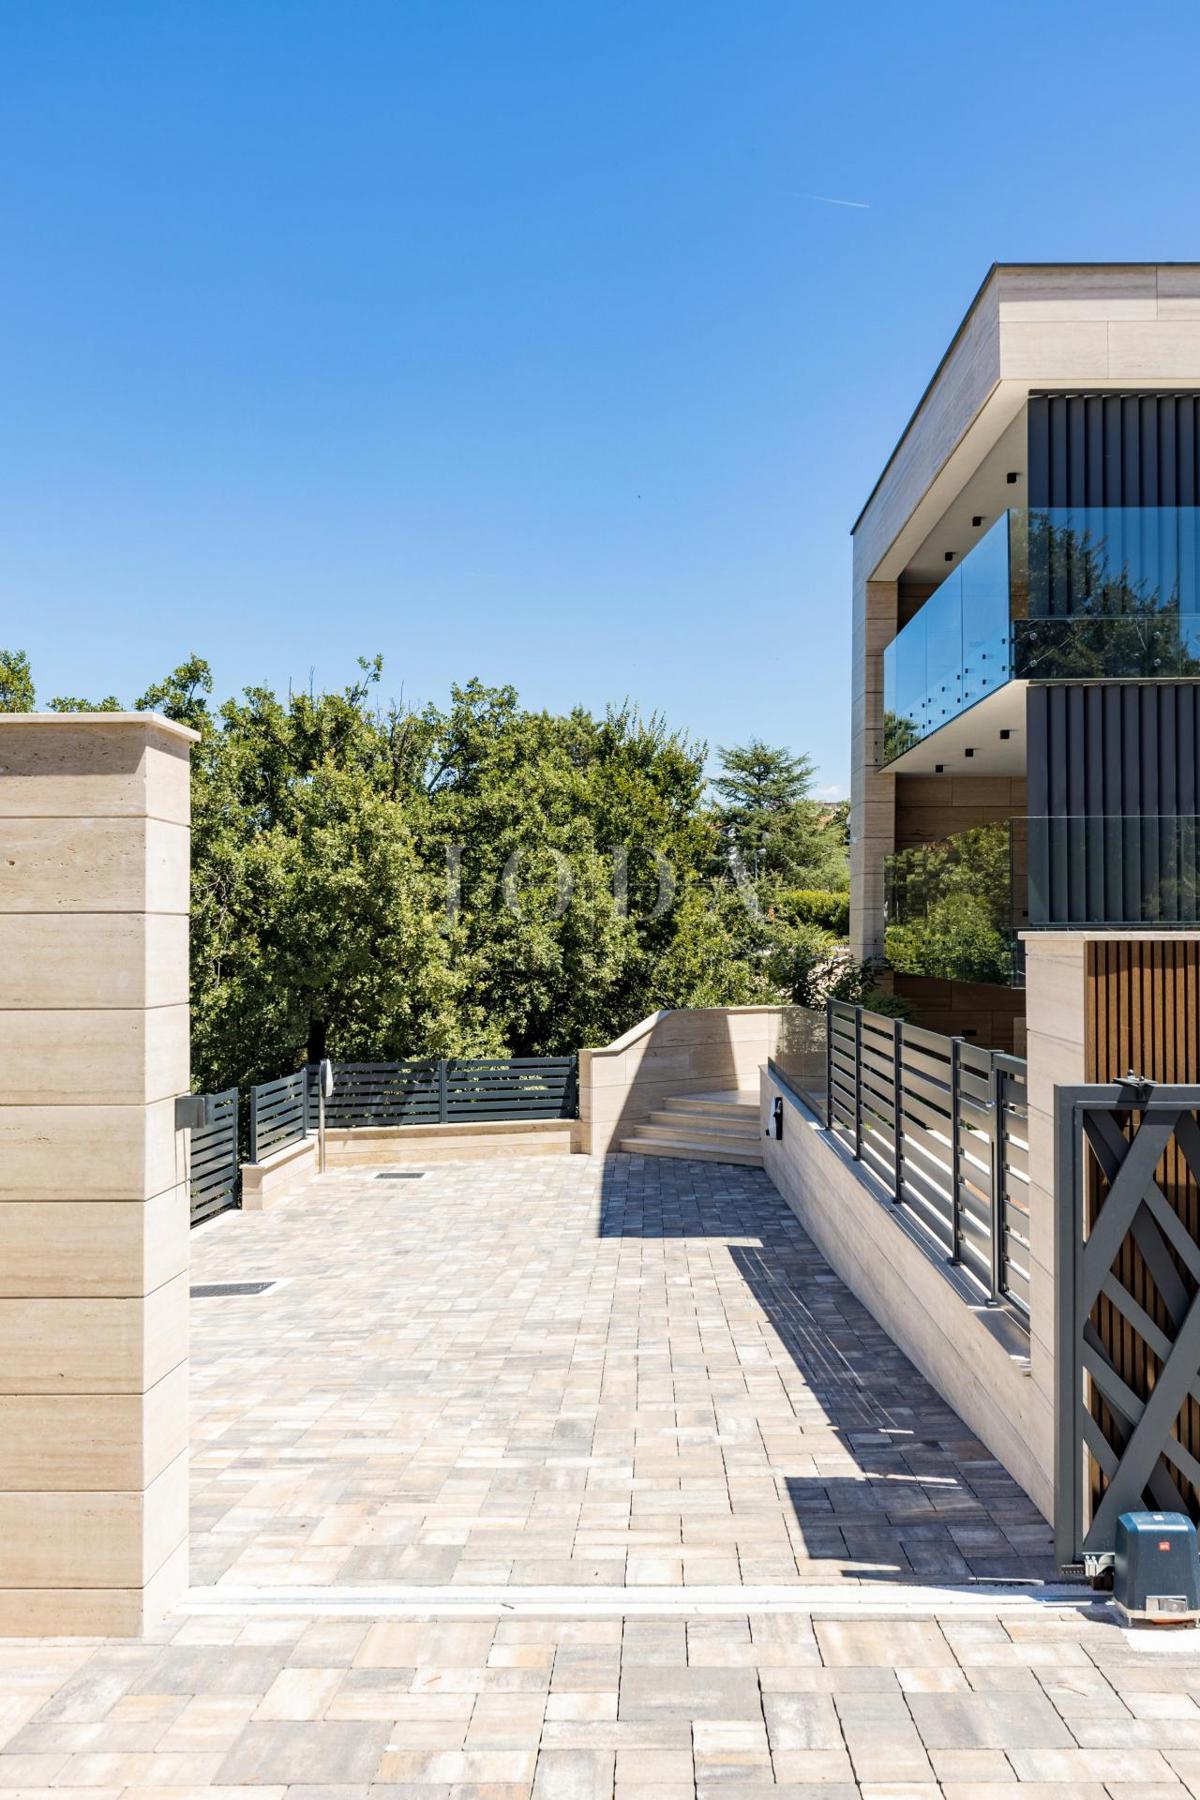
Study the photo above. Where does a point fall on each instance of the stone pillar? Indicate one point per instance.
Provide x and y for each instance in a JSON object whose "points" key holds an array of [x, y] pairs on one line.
{"points": [[872, 792], [1056, 1056], [94, 842]]}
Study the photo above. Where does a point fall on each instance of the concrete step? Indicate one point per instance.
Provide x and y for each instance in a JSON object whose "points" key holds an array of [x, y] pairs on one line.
{"points": [[704, 1107], [718, 1097], [693, 1150], [696, 1125]]}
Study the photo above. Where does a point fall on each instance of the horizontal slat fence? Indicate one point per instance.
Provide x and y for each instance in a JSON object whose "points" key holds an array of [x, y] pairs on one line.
{"points": [[393, 1093], [213, 1176], [445, 1090], [1013, 1159], [278, 1114], [942, 1124]]}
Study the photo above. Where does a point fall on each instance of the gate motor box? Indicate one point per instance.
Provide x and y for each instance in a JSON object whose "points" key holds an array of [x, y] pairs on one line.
{"points": [[1156, 1571]]}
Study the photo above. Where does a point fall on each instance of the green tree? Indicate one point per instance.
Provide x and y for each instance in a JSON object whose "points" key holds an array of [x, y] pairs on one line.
{"points": [[69, 703], [772, 834], [16, 682], [467, 880], [182, 695], [957, 940]]}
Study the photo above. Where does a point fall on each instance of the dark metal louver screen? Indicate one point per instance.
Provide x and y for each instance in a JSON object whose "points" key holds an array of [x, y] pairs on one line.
{"points": [[1114, 449]]}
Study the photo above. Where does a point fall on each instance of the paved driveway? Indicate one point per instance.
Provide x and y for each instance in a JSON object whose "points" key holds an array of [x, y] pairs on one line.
{"points": [[556, 1372], [584, 1480]]}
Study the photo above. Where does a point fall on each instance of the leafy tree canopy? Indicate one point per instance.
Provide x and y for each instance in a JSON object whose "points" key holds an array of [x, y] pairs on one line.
{"points": [[16, 682], [473, 879], [772, 834]]}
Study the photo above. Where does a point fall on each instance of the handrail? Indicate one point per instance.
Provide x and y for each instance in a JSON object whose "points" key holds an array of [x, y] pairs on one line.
{"points": [[942, 1125]]}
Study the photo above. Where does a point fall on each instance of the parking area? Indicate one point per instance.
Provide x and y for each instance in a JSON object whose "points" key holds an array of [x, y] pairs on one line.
{"points": [[574, 1477]]}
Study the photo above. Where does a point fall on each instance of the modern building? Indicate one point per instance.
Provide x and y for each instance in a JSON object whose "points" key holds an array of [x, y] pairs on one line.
{"points": [[1026, 699]]}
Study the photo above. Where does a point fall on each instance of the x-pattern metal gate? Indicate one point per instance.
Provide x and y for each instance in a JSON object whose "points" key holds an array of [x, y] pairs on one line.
{"points": [[1121, 1429]]}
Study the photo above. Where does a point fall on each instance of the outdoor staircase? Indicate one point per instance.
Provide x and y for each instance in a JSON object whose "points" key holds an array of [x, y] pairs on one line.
{"points": [[703, 1128]]}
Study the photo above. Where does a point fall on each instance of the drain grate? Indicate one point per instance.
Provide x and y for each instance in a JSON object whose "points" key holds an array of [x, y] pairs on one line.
{"points": [[400, 1175], [217, 1290]]}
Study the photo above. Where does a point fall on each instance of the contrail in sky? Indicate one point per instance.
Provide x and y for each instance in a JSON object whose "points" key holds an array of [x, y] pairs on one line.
{"points": [[829, 200]]}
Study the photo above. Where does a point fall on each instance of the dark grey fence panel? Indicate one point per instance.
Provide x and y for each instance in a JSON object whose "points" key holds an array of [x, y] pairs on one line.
{"points": [[1127, 1356], [446, 1090], [394, 1093], [214, 1176], [278, 1114], [516, 1087], [941, 1123], [1012, 1161]]}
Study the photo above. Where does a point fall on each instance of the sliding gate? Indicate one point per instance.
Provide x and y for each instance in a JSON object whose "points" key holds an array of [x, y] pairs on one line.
{"points": [[1128, 1308]]}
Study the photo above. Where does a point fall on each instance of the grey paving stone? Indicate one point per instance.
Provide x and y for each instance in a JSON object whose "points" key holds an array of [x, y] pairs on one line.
{"points": [[574, 1775], [323, 1752], [692, 1693], [987, 1722], [801, 1722], [220, 1670]]}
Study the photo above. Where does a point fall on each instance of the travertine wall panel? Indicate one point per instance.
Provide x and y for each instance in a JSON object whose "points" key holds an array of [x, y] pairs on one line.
{"points": [[94, 841], [92, 961], [110, 1249], [694, 1050]]}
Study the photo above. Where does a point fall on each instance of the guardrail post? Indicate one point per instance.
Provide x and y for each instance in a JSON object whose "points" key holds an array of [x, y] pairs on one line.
{"points": [[955, 1156], [858, 1082], [829, 1065], [443, 1092], [898, 1108], [996, 1103]]}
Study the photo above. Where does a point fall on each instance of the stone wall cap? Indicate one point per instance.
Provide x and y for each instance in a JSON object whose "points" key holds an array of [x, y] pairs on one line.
{"points": [[156, 720], [1100, 934]]}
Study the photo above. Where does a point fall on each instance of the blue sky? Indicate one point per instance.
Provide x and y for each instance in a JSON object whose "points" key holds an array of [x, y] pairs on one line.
{"points": [[504, 336]]}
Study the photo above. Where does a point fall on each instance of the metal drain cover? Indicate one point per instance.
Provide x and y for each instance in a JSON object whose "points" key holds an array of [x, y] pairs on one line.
{"points": [[400, 1175], [216, 1290]]}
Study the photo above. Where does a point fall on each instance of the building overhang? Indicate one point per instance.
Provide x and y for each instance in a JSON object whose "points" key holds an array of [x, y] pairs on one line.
{"points": [[1031, 326], [987, 739]]}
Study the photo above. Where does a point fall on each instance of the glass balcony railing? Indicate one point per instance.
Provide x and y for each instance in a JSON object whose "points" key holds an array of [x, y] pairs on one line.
{"points": [[956, 650], [1064, 593], [954, 907], [1114, 869]]}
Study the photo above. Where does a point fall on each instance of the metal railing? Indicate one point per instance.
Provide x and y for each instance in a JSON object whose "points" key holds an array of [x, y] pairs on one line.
{"points": [[942, 1124], [214, 1179], [279, 1114], [448, 1089]]}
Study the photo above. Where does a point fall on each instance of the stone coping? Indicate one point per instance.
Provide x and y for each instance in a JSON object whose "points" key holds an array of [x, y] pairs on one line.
{"points": [[1091, 934], [449, 1128], [156, 721], [647, 1025]]}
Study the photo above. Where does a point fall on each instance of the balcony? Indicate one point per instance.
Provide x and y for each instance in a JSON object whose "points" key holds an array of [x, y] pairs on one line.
{"points": [[954, 908], [1086, 593], [1114, 869]]}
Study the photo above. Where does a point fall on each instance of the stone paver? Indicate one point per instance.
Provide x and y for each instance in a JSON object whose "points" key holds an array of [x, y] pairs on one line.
{"points": [[550, 1372], [538, 1373]]}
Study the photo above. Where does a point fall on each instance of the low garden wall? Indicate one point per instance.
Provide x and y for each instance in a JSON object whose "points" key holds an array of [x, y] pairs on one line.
{"points": [[972, 1353], [694, 1050]]}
